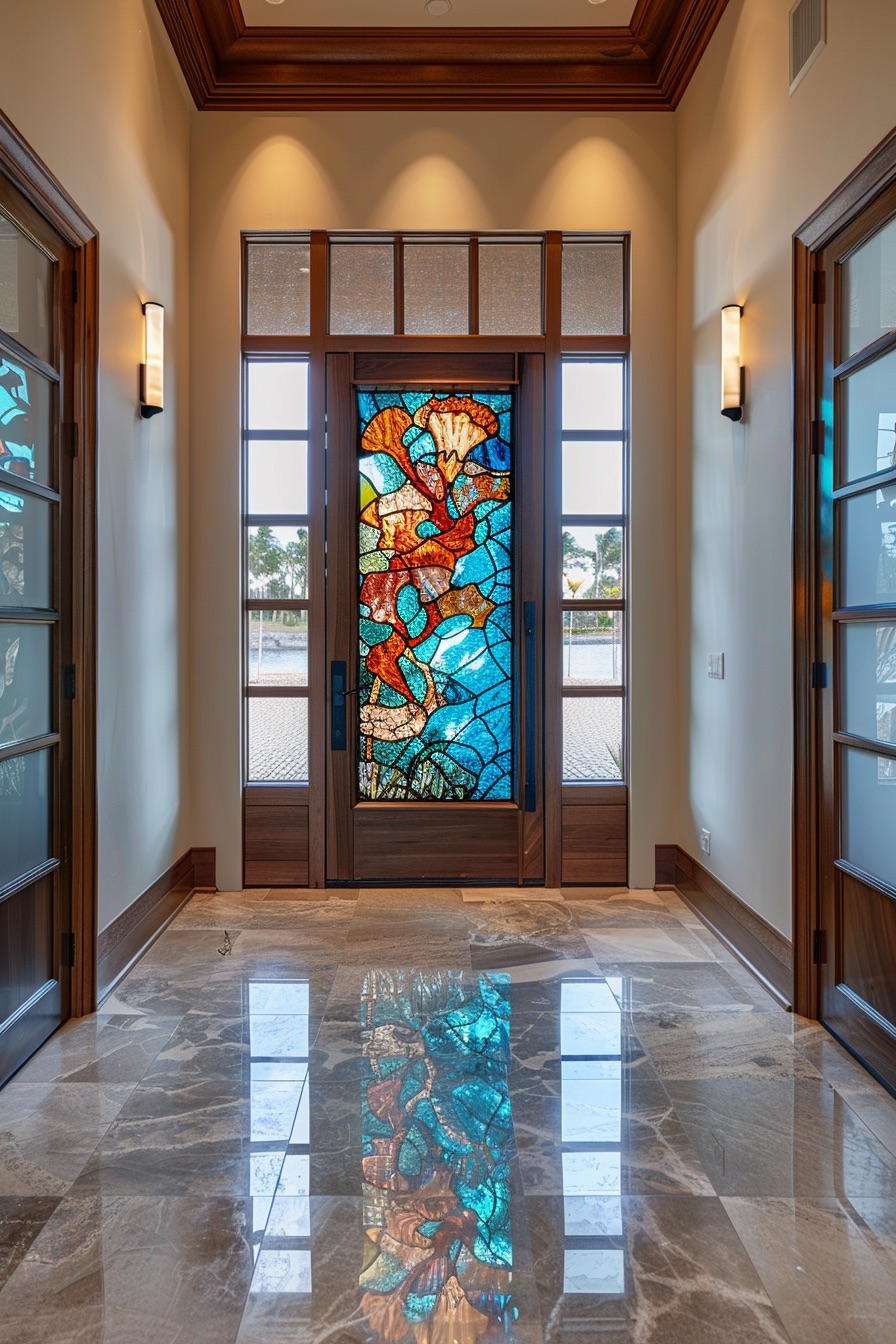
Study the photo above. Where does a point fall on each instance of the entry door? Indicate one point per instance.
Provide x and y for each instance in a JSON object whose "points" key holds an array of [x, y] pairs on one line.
{"points": [[435, 521], [857, 500], [35, 605]]}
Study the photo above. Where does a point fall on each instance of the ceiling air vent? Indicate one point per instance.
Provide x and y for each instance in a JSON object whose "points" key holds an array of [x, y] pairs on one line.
{"points": [[808, 34]]}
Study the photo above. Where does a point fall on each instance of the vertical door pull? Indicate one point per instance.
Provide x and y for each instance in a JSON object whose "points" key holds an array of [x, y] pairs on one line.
{"points": [[529, 621], [337, 706]]}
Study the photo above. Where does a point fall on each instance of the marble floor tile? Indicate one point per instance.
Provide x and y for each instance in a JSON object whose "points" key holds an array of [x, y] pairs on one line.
{"points": [[219, 910], [101, 1049], [225, 1149], [722, 1045], [47, 1132], [623, 1137], [661, 940], [826, 1264], [133, 1271], [673, 987], [21, 1219], [488, 895], [788, 1138], [674, 1272]]}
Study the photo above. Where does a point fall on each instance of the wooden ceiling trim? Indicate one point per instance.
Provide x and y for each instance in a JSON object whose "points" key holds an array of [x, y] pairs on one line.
{"points": [[645, 67]]}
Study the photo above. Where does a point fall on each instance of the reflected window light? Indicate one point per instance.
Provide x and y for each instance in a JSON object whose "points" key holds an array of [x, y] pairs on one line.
{"points": [[279, 1160], [591, 1082]]}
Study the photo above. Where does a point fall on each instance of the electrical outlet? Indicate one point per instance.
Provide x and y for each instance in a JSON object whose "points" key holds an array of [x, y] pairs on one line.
{"points": [[717, 666], [704, 842]]}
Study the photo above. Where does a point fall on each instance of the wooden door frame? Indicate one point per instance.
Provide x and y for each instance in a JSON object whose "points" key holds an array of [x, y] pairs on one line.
{"points": [[31, 177], [872, 177]]}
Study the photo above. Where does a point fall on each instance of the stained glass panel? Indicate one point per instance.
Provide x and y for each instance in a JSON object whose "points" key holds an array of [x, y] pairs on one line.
{"points": [[435, 628]]}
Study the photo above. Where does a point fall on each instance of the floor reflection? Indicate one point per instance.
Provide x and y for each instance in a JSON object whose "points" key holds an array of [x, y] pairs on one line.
{"points": [[279, 1157], [437, 1144], [591, 1082]]}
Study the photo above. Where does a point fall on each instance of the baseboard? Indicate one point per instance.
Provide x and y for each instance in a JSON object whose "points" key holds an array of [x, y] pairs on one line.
{"points": [[126, 939], [760, 947]]}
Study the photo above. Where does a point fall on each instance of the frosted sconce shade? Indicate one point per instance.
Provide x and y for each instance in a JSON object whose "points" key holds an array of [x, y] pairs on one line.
{"points": [[153, 366], [732, 368]]}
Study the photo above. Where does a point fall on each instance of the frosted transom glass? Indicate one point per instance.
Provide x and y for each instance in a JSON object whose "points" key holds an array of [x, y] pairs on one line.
{"points": [[868, 296], [436, 289], [510, 289], [868, 403], [593, 394], [362, 289], [869, 813], [592, 478], [278, 740], [278, 476], [868, 680], [593, 289], [278, 394], [592, 739], [278, 289]]}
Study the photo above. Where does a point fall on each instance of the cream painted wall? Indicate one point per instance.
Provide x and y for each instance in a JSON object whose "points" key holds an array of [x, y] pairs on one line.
{"points": [[105, 107], [428, 171], [753, 163]]}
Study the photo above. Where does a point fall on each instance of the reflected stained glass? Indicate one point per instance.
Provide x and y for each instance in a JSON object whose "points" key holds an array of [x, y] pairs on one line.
{"points": [[437, 1138], [435, 596]]}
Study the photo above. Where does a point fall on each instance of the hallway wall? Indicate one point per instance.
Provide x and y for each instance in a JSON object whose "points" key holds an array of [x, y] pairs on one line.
{"points": [[95, 90], [753, 164], [428, 171]]}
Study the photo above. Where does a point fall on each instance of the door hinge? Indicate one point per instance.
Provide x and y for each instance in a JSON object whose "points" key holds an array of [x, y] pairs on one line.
{"points": [[817, 448], [820, 948], [819, 286], [73, 436], [68, 949], [68, 682], [819, 676]]}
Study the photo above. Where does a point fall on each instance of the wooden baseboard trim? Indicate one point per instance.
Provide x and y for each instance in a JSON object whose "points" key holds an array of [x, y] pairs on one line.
{"points": [[765, 952], [126, 939]]}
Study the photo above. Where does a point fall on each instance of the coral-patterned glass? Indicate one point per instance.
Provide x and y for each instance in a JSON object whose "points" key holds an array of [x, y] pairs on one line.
{"points": [[435, 630]]}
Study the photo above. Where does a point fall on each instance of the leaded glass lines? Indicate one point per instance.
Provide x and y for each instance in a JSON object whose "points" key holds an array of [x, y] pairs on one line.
{"points": [[435, 616]]}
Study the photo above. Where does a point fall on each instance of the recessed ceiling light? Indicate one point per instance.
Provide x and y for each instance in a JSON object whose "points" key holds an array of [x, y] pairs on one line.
{"points": [[437, 6], [280, 2]]}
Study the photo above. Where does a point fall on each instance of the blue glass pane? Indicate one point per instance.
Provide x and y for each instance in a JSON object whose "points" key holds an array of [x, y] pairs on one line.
{"points": [[436, 625], [437, 1144]]}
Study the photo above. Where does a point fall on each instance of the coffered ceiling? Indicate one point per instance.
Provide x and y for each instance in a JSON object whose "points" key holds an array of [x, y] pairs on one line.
{"points": [[391, 54]]}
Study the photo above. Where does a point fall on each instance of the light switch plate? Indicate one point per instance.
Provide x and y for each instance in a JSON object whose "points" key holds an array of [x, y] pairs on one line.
{"points": [[717, 666]]}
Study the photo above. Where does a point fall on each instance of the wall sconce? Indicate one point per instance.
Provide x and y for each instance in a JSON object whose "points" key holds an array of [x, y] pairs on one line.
{"points": [[732, 368], [153, 367]]}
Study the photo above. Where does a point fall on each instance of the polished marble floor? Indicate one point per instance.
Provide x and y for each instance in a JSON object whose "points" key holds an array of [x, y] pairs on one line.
{"points": [[443, 1118]]}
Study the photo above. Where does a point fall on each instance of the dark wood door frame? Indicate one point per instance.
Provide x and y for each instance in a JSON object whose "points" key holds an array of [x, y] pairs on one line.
{"points": [[872, 177], [30, 176]]}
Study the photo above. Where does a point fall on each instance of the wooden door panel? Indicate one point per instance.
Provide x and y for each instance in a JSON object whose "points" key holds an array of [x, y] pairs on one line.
{"points": [[458, 843], [868, 945]]}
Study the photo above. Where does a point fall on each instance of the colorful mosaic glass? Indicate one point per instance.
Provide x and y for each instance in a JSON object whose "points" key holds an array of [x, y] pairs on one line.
{"points": [[437, 1140], [435, 602]]}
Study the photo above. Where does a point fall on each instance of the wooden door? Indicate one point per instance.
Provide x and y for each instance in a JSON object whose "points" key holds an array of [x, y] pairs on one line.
{"points": [[435, 526], [36, 677], [856, 674]]}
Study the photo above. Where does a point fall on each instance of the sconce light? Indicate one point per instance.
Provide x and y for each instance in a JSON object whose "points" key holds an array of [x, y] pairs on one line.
{"points": [[732, 368], [153, 367]]}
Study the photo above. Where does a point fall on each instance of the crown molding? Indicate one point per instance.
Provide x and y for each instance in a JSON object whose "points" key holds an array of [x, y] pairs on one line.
{"points": [[646, 66]]}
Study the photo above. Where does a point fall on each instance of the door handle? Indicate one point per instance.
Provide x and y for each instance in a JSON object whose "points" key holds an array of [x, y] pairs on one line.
{"points": [[338, 692], [529, 623]]}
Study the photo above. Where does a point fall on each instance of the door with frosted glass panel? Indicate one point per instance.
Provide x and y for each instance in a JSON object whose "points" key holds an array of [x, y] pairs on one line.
{"points": [[857, 502], [34, 638]]}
